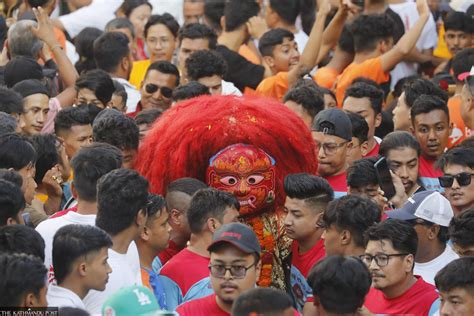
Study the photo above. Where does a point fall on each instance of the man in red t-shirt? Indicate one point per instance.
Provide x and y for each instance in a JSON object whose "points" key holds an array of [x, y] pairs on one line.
{"points": [[209, 210], [332, 132], [178, 199], [366, 100], [306, 199], [390, 256], [235, 267]]}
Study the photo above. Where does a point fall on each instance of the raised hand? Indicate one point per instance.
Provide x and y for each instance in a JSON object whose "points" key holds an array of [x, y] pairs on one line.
{"points": [[422, 7], [45, 30]]}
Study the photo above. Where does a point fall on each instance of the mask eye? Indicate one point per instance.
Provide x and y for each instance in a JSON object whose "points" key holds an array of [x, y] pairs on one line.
{"points": [[229, 180], [254, 179]]}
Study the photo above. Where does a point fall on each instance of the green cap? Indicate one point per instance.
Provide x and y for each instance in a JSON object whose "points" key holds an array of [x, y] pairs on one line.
{"points": [[132, 300]]}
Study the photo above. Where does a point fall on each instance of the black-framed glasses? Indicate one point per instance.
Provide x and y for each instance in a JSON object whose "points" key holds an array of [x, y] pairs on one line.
{"points": [[380, 259], [237, 271], [151, 88], [330, 148], [463, 179]]}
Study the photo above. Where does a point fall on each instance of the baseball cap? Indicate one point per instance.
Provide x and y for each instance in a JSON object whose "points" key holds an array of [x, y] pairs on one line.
{"points": [[428, 205], [238, 235], [333, 122], [29, 87], [22, 68], [132, 300]]}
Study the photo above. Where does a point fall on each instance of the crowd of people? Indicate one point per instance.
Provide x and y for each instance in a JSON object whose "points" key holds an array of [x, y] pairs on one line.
{"points": [[336, 137]]}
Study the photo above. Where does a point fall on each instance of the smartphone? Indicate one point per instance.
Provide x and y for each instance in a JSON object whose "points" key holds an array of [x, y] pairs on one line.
{"points": [[385, 178]]}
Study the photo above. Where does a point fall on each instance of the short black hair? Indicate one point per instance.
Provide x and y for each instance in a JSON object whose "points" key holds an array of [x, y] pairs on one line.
{"points": [[272, 38], [462, 62], [462, 156], [314, 190], [346, 40], [10, 101], [190, 90], [116, 129], [461, 228], [456, 21], [165, 19], [148, 116], [287, 10], [21, 274], [309, 98], [120, 23], [401, 234], [340, 283], [47, 154], [398, 140], [109, 50], [238, 12], [121, 195], [198, 31], [90, 163], [187, 186], [74, 241], [11, 201], [214, 11], [458, 273], [156, 204], [37, 3], [362, 173], [69, 117], [16, 152], [207, 203], [8, 123], [361, 90], [11, 176], [416, 87], [128, 6], [261, 301], [84, 43], [367, 30], [360, 128], [21, 239], [205, 63], [354, 213], [99, 82], [164, 67], [426, 104]]}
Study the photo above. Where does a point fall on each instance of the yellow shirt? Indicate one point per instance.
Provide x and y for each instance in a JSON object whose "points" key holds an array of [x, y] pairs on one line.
{"points": [[138, 72]]}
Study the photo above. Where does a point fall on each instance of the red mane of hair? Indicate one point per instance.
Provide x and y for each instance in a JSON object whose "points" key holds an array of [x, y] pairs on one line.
{"points": [[186, 136]]}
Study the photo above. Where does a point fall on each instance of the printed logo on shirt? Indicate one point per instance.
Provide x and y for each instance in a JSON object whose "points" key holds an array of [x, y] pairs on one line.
{"points": [[299, 287]]}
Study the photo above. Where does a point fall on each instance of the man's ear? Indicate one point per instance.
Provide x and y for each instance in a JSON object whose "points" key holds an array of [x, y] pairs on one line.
{"points": [[82, 269], [409, 262], [125, 63], [212, 224], [345, 237], [73, 190], [11, 221], [364, 148], [269, 60], [378, 120], [318, 219], [141, 218], [174, 216], [433, 232]]}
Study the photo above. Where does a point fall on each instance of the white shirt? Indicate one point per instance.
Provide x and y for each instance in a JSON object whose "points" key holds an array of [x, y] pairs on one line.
{"points": [[125, 272], [228, 88], [133, 95], [58, 296], [427, 40], [301, 39], [97, 14], [173, 7], [429, 269], [48, 228]]}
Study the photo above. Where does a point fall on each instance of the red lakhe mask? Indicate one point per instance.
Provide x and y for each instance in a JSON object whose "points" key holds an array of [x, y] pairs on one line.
{"points": [[246, 171]]}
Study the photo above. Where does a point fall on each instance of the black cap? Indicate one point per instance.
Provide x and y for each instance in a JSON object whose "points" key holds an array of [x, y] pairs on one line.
{"points": [[333, 122], [238, 235], [30, 87], [22, 68]]}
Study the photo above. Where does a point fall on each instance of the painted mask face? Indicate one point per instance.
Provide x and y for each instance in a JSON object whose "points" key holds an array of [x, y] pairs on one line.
{"points": [[246, 171]]}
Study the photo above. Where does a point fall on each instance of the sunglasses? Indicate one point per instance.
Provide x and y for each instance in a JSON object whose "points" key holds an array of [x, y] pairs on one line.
{"points": [[151, 88], [463, 178]]}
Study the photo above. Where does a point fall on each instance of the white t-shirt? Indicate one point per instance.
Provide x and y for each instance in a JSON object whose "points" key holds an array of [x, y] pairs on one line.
{"points": [[301, 39], [133, 95], [173, 7], [48, 228], [125, 272], [228, 88], [429, 269], [58, 296], [428, 38], [97, 14]]}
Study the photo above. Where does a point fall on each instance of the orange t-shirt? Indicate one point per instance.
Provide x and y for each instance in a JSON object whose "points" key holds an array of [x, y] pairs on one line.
{"points": [[325, 77], [460, 130], [274, 87], [371, 69]]}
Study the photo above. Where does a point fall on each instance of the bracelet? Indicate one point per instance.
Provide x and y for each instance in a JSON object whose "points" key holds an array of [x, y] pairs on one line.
{"points": [[56, 46]]}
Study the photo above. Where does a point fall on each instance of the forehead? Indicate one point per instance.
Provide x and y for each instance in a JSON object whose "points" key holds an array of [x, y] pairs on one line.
{"points": [[320, 137], [80, 130], [402, 154], [287, 41], [227, 252], [431, 118], [86, 93], [160, 79], [455, 169], [455, 32], [141, 9], [38, 99], [357, 105], [379, 246], [213, 80], [159, 30], [195, 43]]}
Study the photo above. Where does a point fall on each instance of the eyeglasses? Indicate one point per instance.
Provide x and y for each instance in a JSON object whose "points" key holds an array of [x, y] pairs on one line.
{"points": [[330, 148], [238, 272], [463, 179], [381, 259], [151, 88]]}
